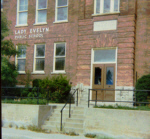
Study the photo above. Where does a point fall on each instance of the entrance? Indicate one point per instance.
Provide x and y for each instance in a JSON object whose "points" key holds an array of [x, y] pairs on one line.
{"points": [[103, 78]]}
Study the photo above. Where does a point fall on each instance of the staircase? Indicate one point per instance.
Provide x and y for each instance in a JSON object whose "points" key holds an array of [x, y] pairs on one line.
{"points": [[73, 124]]}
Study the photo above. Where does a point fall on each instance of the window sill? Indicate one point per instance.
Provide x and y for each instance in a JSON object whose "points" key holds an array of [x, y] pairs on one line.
{"points": [[25, 25], [63, 21], [105, 14], [63, 72], [38, 72], [22, 72], [37, 24]]}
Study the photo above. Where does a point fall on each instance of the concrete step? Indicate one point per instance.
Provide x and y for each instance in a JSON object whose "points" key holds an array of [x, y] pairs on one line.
{"points": [[74, 125], [76, 130], [77, 116], [78, 112], [79, 108], [52, 123], [74, 120], [51, 128]]}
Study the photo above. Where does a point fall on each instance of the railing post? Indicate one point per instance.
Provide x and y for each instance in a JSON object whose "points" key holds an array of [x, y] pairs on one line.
{"points": [[70, 108], [77, 98], [61, 121], [135, 96], [96, 99], [38, 96]]}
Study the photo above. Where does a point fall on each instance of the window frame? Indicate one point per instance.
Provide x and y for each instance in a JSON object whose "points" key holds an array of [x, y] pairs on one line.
{"points": [[16, 59], [102, 8], [54, 58], [36, 15], [34, 61], [56, 11], [18, 2]]}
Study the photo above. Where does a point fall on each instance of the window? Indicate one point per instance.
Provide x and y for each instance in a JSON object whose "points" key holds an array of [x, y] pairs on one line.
{"points": [[59, 57], [41, 11], [21, 58], [106, 6], [61, 10], [39, 58], [22, 12]]}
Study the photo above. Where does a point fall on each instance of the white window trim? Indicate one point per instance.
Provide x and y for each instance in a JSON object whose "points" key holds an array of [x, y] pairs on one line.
{"points": [[36, 18], [34, 61], [17, 25], [58, 71], [56, 12], [16, 61], [102, 8]]}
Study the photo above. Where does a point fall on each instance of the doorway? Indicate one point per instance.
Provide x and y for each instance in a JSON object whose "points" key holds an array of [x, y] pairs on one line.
{"points": [[103, 78]]}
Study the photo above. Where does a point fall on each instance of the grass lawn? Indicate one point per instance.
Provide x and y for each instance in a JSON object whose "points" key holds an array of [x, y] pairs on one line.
{"points": [[26, 101], [145, 108]]}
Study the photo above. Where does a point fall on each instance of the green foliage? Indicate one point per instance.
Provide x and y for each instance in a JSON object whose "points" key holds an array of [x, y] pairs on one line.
{"points": [[26, 91], [36, 82], [57, 88], [8, 73], [88, 135], [4, 26], [146, 108], [143, 84], [8, 69], [25, 101], [36, 129]]}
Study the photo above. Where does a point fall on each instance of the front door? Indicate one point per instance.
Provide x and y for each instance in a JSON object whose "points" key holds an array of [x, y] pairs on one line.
{"points": [[103, 78]]}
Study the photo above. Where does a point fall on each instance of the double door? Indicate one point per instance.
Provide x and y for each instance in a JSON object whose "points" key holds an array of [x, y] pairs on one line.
{"points": [[103, 78]]}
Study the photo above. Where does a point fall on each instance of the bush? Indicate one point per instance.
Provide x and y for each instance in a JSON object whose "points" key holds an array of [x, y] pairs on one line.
{"points": [[36, 82], [57, 88], [143, 84]]}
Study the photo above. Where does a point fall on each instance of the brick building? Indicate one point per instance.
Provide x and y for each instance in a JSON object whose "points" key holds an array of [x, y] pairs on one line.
{"points": [[99, 43]]}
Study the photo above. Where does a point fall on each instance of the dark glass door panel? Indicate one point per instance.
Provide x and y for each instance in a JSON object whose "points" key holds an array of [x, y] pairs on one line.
{"points": [[98, 73]]}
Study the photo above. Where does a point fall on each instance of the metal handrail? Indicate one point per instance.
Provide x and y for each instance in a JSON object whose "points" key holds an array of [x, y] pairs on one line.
{"points": [[69, 101], [134, 90]]}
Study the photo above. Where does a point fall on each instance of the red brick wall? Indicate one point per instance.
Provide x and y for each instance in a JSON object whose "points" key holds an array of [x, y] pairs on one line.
{"points": [[142, 51], [123, 38], [80, 38], [60, 32]]}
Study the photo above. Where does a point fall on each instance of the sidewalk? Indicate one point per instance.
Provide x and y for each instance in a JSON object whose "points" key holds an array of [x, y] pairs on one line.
{"points": [[10, 133]]}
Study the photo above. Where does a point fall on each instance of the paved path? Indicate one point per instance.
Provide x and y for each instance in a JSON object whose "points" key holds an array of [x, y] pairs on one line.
{"points": [[10, 133]]}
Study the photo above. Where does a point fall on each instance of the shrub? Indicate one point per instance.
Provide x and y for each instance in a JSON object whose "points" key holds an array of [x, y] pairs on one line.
{"points": [[143, 84], [88, 135], [36, 82], [57, 88]]}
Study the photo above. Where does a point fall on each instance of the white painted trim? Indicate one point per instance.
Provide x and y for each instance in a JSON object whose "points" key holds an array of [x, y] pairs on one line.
{"points": [[62, 21], [38, 72], [34, 59], [36, 14], [56, 12], [92, 62], [22, 72], [17, 19], [102, 8], [58, 72], [23, 25], [44, 23], [16, 59], [54, 57]]}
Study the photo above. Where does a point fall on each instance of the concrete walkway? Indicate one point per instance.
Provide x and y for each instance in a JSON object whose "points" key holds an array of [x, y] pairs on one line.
{"points": [[10, 133]]}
